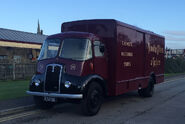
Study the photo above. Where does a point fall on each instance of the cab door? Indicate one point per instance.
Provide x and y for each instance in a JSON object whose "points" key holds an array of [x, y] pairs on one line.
{"points": [[100, 59]]}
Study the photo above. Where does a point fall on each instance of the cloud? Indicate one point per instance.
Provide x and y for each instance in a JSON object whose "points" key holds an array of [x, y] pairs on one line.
{"points": [[175, 39]]}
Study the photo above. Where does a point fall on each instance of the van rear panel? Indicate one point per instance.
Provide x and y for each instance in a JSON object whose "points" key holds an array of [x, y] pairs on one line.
{"points": [[155, 56]]}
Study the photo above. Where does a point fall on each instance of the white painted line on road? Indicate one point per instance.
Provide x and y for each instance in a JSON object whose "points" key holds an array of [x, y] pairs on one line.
{"points": [[17, 109], [3, 119]]}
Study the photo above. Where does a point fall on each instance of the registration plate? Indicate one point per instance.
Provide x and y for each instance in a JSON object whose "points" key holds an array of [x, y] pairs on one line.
{"points": [[49, 99]]}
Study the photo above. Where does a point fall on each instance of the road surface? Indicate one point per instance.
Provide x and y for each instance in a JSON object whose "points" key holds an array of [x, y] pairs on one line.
{"points": [[167, 106]]}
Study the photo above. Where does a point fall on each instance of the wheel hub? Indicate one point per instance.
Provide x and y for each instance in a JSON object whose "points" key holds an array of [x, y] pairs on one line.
{"points": [[95, 98]]}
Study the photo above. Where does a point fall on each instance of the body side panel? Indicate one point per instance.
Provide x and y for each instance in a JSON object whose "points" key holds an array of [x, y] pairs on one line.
{"points": [[130, 60]]}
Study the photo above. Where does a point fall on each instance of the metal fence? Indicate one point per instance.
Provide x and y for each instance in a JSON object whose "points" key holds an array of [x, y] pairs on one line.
{"points": [[17, 71]]}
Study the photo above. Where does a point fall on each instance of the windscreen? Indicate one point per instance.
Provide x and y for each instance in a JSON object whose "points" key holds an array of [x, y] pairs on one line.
{"points": [[71, 48], [49, 49], [76, 49]]}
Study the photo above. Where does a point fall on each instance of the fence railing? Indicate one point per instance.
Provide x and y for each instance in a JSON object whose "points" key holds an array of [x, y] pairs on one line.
{"points": [[17, 71]]}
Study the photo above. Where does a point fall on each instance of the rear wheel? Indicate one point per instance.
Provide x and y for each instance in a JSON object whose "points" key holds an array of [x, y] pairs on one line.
{"points": [[40, 103], [92, 99], [148, 91]]}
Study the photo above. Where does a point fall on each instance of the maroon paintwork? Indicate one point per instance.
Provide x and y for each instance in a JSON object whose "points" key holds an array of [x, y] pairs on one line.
{"points": [[81, 67], [132, 54]]}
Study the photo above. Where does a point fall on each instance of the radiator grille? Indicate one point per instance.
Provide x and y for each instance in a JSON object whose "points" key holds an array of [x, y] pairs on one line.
{"points": [[53, 77]]}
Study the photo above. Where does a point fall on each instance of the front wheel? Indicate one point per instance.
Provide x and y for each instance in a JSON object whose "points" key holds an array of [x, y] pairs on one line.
{"points": [[92, 100]]}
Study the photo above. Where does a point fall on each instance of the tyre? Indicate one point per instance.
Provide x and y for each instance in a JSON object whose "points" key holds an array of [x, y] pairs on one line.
{"points": [[40, 103], [148, 91], [92, 100], [141, 92]]}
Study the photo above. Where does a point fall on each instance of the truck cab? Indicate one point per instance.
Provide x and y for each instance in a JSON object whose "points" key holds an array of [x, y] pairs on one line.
{"points": [[67, 65]]}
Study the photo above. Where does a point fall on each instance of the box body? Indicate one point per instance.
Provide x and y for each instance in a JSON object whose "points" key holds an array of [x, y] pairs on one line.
{"points": [[133, 54]]}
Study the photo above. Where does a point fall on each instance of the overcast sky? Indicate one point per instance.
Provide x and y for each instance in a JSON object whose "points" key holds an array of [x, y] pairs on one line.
{"points": [[165, 17]]}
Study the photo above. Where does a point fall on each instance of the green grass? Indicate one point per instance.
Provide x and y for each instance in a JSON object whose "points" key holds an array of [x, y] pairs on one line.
{"points": [[172, 74], [13, 89]]}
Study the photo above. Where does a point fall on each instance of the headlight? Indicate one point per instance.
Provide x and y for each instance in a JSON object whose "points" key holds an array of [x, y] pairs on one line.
{"points": [[67, 84], [36, 82]]}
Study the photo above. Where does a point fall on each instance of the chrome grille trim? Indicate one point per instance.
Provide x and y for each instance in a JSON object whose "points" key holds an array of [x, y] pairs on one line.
{"points": [[60, 75]]}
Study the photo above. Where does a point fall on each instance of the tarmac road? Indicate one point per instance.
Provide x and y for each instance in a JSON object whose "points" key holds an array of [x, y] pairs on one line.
{"points": [[167, 106]]}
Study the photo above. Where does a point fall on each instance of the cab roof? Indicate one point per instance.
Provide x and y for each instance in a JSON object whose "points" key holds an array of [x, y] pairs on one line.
{"points": [[72, 34]]}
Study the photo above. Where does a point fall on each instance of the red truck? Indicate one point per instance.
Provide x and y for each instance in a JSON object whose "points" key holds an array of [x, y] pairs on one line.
{"points": [[92, 59]]}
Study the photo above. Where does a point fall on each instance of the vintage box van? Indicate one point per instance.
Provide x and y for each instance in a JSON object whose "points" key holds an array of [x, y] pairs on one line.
{"points": [[92, 59]]}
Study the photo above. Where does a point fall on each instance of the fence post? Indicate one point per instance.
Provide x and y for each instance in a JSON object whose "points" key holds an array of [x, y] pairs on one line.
{"points": [[13, 70], [24, 68], [5, 68]]}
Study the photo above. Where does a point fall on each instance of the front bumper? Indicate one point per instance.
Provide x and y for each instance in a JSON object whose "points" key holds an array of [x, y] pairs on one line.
{"points": [[56, 95], [77, 84]]}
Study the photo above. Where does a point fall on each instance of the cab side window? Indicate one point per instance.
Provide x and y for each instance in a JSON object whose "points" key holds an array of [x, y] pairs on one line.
{"points": [[98, 49], [89, 53]]}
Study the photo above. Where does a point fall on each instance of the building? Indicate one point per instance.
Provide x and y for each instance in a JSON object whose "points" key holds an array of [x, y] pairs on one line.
{"points": [[18, 46], [173, 53]]}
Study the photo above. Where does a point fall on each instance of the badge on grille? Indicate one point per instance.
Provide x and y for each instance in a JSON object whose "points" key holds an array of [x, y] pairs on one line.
{"points": [[73, 67], [53, 68]]}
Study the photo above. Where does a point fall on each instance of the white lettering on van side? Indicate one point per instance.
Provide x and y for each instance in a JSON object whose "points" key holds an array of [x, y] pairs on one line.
{"points": [[157, 49], [127, 44], [155, 62], [127, 64], [129, 54]]}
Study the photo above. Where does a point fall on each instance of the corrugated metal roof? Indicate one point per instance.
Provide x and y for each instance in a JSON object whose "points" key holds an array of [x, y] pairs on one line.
{"points": [[20, 36]]}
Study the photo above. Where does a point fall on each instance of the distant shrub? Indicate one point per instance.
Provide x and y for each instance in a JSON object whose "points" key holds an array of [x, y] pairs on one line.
{"points": [[175, 65]]}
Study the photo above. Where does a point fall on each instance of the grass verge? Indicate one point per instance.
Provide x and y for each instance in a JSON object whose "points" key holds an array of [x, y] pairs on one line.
{"points": [[173, 74], [13, 89]]}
